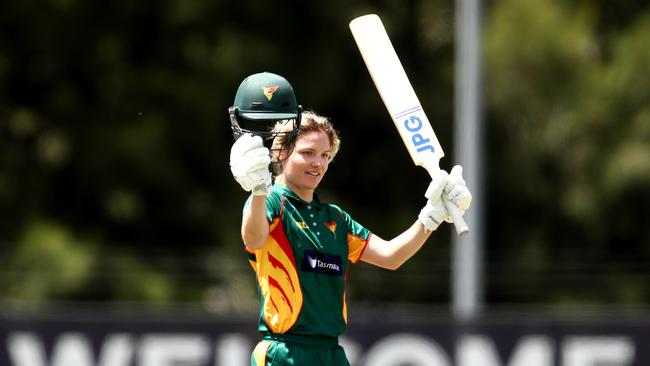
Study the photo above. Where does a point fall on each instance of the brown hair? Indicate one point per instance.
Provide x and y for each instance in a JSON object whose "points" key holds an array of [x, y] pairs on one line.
{"points": [[310, 121]]}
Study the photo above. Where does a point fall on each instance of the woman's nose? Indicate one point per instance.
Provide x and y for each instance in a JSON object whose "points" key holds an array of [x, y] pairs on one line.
{"points": [[319, 161]]}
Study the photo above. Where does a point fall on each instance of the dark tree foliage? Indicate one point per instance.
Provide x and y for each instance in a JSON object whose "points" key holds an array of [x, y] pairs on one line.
{"points": [[114, 144]]}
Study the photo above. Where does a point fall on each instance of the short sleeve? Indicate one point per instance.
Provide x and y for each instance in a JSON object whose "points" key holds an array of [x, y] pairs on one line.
{"points": [[357, 236]]}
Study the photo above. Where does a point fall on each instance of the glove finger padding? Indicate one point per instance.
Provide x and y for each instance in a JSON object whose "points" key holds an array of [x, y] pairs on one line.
{"points": [[460, 196], [251, 161], [249, 164], [435, 212], [456, 190], [248, 153], [437, 185], [245, 143], [256, 159]]}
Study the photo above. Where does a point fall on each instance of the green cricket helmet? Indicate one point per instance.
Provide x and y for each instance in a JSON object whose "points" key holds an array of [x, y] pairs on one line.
{"points": [[261, 99]]}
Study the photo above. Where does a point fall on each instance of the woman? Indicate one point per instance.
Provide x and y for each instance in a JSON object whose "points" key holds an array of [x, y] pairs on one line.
{"points": [[301, 248]]}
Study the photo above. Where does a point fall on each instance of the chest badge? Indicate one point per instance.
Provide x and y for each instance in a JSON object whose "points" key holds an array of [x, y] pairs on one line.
{"points": [[302, 225], [331, 226]]}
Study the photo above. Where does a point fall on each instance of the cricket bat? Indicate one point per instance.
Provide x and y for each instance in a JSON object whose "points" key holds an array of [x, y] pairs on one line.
{"points": [[401, 101]]}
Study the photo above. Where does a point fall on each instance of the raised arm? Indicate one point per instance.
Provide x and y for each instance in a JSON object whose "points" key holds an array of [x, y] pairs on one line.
{"points": [[391, 254], [249, 163], [255, 227]]}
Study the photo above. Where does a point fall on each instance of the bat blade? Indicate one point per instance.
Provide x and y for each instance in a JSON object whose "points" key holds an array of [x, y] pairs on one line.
{"points": [[400, 99], [396, 91]]}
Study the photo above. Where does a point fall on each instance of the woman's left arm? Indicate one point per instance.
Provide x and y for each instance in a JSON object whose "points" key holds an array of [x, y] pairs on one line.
{"points": [[393, 253]]}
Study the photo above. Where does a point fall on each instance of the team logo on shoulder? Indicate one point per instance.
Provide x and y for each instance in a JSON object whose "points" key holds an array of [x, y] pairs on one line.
{"points": [[331, 226], [302, 225], [269, 90]]}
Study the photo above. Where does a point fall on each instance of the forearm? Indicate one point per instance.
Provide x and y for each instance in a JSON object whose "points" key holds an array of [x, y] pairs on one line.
{"points": [[255, 227], [405, 245], [395, 252]]}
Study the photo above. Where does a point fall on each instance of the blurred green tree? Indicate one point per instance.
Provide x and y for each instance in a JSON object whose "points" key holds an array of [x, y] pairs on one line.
{"points": [[114, 142]]}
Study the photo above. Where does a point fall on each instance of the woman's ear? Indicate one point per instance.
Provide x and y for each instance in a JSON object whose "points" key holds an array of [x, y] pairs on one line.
{"points": [[277, 159], [282, 155]]}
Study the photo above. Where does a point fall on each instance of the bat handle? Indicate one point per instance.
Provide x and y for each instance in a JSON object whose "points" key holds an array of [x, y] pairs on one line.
{"points": [[461, 226], [462, 229]]}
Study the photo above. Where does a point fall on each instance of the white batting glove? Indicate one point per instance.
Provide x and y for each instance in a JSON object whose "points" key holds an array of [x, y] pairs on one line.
{"points": [[249, 164], [435, 212], [456, 190]]}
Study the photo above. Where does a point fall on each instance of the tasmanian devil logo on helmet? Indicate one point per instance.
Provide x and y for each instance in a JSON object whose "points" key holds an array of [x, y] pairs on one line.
{"points": [[269, 90]]}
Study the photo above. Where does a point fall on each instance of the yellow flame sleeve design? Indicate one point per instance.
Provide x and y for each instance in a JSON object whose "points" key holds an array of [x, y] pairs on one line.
{"points": [[278, 279]]}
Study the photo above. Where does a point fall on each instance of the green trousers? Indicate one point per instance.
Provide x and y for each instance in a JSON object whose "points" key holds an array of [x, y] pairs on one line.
{"points": [[287, 350]]}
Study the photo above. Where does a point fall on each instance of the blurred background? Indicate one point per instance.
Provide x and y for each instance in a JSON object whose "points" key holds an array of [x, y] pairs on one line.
{"points": [[115, 189]]}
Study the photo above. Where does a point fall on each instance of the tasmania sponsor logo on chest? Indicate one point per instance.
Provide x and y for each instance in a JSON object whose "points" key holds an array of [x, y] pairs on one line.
{"points": [[324, 263]]}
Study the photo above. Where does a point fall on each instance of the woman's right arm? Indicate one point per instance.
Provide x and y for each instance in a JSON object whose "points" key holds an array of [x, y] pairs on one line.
{"points": [[255, 226], [249, 164]]}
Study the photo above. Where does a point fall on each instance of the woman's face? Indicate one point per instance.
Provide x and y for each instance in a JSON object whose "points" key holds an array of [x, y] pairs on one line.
{"points": [[305, 167]]}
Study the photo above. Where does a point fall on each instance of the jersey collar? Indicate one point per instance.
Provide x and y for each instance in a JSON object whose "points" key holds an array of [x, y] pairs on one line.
{"points": [[286, 191]]}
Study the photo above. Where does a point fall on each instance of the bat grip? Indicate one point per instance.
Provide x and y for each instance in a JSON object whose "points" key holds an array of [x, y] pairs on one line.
{"points": [[459, 222], [461, 226]]}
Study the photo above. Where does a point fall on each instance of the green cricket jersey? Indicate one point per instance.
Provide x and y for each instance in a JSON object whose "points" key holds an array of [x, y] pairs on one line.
{"points": [[302, 270]]}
